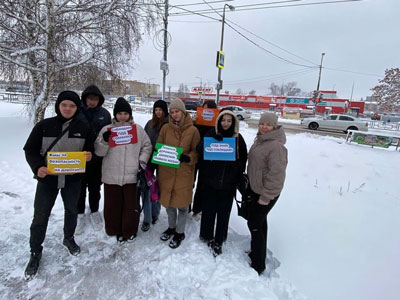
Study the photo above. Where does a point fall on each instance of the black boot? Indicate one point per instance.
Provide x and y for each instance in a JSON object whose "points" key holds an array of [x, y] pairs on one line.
{"points": [[33, 266], [166, 235], [145, 226], [177, 240], [71, 246], [216, 249]]}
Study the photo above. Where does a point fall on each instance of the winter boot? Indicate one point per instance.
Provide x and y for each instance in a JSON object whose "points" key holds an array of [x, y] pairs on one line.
{"points": [[177, 240], [145, 226], [121, 240], [167, 234], [71, 246], [33, 266], [132, 238], [80, 225], [96, 220], [216, 249], [154, 220]]}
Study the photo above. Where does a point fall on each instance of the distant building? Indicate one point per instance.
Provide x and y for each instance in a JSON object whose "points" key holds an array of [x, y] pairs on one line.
{"points": [[133, 87]]}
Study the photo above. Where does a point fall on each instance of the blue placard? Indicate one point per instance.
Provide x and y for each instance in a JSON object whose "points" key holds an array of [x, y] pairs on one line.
{"points": [[219, 150]]}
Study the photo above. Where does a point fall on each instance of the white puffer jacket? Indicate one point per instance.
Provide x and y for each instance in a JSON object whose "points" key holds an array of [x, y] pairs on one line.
{"points": [[121, 163]]}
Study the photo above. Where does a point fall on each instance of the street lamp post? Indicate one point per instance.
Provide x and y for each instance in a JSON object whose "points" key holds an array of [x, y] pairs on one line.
{"points": [[219, 84]]}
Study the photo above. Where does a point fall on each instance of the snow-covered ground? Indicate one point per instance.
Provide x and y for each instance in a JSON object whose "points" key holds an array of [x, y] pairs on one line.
{"points": [[333, 234]]}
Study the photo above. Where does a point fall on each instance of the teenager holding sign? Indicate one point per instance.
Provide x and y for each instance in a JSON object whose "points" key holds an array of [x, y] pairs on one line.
{"points": [[123, 144], [176, 184], [62, 133], [219, 179]]}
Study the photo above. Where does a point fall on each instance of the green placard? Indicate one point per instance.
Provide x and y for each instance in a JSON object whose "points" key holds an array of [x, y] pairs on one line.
{"points": [[167, 155], [372, 140]]}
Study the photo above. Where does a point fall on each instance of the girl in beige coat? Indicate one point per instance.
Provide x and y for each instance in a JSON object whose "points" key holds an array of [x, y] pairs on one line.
{"points": [[176, 185], [119, 175], [267, 172]]}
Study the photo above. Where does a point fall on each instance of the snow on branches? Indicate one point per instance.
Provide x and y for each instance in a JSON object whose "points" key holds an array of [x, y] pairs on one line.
{"points": [[387, 93]]}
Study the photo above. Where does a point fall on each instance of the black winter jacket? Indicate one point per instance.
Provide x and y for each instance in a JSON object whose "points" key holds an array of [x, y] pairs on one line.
{"points": [[223, 175], [78, 138]]}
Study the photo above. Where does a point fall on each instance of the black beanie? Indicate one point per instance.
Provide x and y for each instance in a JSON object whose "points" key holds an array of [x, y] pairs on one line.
{"points": [[68, 95], [161, 104], [122, 105]]}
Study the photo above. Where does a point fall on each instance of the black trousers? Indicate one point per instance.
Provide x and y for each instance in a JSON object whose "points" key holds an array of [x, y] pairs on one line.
{"points": [[45, 198], [217, 206], [92, 182], [258, 226]]}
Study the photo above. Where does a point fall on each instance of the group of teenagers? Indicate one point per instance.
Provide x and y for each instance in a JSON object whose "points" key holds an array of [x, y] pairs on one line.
{"points": [[81, 124]]}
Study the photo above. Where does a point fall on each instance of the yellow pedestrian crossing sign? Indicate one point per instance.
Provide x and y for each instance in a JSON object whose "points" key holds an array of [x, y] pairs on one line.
{"points": [[220, 59]]}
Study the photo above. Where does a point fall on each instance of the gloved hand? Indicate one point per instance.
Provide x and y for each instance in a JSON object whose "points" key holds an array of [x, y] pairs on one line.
{"points": [[106, 135], [218, 137], [184, 158]]}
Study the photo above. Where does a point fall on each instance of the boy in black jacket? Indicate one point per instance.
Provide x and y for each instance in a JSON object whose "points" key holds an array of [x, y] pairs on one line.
{"points": [[77, 137], [96, 117]]}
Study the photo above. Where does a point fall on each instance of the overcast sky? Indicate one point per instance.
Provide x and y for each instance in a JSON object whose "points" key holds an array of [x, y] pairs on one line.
{"points": [[361, 37]]}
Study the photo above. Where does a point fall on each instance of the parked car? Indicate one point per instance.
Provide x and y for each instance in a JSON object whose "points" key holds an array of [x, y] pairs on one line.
{"points": [[191, 105], [239, 111], [335, 122]]}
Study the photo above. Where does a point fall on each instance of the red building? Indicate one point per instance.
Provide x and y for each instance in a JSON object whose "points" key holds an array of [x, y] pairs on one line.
{"points": [[328, 104]]}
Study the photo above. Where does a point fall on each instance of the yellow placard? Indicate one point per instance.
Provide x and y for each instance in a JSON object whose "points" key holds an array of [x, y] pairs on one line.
{"points": [[66, 162]]}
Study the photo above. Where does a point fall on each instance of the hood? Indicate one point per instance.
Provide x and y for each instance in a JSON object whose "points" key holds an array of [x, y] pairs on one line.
{"points": [[277, 134], [228, 112], [92, 90]]}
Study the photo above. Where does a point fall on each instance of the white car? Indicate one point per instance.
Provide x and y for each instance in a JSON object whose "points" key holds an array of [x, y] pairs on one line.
{"points": [[239, 111], [335, 122]]}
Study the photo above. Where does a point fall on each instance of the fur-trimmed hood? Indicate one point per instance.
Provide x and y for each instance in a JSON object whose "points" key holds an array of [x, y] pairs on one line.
{"points": [[228, 112]]}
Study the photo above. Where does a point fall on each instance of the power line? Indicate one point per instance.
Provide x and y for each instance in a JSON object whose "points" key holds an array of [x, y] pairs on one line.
{"points": [[354, 72], [240, 6], [243, 7], [275, 45]]}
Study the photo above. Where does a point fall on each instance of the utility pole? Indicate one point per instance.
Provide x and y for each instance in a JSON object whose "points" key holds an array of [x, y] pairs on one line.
{"points": [[317, 92], [219, 84], [164, 64], [320, 70]]}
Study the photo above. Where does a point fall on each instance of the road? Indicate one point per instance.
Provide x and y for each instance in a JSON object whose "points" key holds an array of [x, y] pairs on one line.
{"points": [[294, 128]]}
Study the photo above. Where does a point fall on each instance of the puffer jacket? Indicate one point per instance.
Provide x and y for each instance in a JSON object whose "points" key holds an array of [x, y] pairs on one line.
{"points": [[78, 138], [223, 175], [176, 185], [121, 163], [268, 158]]}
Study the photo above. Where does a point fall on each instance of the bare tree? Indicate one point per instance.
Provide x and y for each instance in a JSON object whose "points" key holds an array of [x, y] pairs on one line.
{"points": [[252, 92], [239, 91], [183, 90], [46, 41], [387, 93], [288, 89]]}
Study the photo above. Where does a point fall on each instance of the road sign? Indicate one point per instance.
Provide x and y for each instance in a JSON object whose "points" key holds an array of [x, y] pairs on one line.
{"points": [[220, 59]]}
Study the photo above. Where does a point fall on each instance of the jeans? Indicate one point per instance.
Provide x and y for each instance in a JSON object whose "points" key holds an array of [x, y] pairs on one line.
{"points": [[150, 209], [45, 198], [177, 218]]}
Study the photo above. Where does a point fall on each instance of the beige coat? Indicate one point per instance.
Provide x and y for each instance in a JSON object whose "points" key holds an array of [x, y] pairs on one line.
{"points": [[267, 163], [121, 163], [176, 185]]}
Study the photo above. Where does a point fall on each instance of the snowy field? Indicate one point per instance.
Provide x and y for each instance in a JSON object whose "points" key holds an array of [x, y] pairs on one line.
{"points": [[333, 234]]}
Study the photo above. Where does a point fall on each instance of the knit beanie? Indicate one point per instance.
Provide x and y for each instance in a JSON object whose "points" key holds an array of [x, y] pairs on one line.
{"points": [[68, 95], [92, 90], [177, 104], [269, 118], [122, 106], [161, 104]]}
